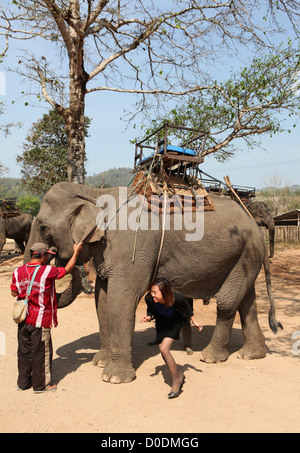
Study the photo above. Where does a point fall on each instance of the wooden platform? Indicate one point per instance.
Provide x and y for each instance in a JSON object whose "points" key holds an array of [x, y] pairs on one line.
{"points": [[182, 192]]}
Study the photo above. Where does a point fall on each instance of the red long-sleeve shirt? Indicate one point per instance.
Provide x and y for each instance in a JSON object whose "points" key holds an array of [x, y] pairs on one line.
{"points": [[42, 304]]}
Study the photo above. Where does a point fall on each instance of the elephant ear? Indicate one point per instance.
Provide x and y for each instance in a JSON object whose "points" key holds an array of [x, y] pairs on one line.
{"points": [[83, 225]]}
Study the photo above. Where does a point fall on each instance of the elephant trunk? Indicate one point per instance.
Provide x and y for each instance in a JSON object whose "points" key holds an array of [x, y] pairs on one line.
{"points": [[273, 323], [71, 292], [271, 239], [26, 257]]}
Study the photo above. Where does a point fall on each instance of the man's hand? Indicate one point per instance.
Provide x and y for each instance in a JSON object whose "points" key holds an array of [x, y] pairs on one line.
{"points": [[77, 248]]}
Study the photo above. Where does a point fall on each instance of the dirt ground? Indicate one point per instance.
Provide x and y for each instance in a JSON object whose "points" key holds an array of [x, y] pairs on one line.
{"points": [[236, 396]]}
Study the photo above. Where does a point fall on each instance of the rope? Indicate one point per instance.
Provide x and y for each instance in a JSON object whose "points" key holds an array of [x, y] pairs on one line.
{"points": [[163, 229], [146, 185], [126, 201]]}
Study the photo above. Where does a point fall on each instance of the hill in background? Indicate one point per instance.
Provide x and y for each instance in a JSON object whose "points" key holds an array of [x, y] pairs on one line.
{"points": [[13, 187], [111, 178], [295, 188], [279, 200]]}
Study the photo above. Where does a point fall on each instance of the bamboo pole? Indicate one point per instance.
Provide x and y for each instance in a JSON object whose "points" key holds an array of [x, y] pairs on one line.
{"points": [[227, 180]]}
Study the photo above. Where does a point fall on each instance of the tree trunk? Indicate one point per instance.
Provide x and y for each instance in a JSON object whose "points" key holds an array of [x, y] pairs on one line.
{"points": [[76, 142], [75, 113]]}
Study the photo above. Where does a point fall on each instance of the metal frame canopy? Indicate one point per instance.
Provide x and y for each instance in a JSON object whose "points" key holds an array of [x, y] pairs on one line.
{"points": [[188, 153]]}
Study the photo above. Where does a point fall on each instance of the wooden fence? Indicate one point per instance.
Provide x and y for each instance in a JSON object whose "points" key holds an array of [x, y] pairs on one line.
{"points": [[286, 233]]}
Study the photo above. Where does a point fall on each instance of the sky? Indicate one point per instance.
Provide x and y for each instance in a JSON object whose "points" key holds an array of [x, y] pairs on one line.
{"points": [[108, 145]]}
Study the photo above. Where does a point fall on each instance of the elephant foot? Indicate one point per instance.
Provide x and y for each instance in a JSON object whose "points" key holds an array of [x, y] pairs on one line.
{"points": [[248, 353], [101, 358], [213, 355], [116, 374]]}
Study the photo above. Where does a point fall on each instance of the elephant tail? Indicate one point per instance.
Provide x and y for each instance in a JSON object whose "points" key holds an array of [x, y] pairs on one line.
{"points": [[273, 323]]}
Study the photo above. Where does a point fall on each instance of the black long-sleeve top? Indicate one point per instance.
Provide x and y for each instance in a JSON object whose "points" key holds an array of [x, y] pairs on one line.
{"points": [[180, 306]]}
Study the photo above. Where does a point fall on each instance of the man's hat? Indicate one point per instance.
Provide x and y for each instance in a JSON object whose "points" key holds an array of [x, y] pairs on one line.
{"points": [[39, 247]]}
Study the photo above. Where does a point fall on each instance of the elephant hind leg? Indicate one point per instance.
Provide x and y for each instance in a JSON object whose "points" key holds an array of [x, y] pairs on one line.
{"points": [[217, 350], [236, 293], [254, 341], [228, 300], [254, 345]]}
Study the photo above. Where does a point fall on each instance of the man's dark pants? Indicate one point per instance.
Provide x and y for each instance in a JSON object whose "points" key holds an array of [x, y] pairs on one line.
{"points": [[34, 357]]}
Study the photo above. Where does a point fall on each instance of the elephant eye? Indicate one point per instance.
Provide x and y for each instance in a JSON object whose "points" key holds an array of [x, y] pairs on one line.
{"points": [[45, 231]]}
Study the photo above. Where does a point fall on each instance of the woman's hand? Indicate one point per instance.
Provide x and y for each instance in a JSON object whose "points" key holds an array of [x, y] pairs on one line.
{"points": [[197, 324], [146, 318]]}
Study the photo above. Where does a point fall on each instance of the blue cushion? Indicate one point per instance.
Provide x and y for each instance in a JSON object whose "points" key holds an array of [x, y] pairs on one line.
{"points": [[178, 149]]}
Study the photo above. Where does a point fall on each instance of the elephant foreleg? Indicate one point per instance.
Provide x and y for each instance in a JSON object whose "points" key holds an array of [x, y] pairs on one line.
{"points": [[102, 357], [21, 246], [121, 304]]}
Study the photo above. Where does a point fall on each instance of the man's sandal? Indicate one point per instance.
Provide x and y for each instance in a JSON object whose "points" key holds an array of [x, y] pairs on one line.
{"points": [[49, 388]]}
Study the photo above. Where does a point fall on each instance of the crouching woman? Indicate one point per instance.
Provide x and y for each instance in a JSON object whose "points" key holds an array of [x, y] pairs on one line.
{"points": [[169, 310]]}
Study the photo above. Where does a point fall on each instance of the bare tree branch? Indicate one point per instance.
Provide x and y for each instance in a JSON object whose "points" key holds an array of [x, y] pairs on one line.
{"points": [[194, 89], [138, 47]]}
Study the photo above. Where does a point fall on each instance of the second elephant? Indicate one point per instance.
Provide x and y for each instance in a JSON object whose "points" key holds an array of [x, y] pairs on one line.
{"points": [[15, 227], [263, 216]]}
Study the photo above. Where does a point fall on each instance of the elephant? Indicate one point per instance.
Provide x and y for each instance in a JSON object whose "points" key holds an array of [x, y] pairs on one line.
{"points": [[15, 227], [262, 215], [224, 262]]}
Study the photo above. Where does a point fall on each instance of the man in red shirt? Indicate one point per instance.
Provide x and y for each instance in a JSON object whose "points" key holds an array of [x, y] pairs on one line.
{"points": [[34, 334]]}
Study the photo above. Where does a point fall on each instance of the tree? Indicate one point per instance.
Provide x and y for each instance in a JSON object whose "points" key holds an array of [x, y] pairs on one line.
{"points": [[45, 155], [3, 169], [137, 46], [29, 204], [5, 129], [245, 106], [279, 197]]}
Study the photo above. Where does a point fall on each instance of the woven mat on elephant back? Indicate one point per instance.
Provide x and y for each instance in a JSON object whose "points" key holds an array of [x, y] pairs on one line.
{"points": [[179, 192]]}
